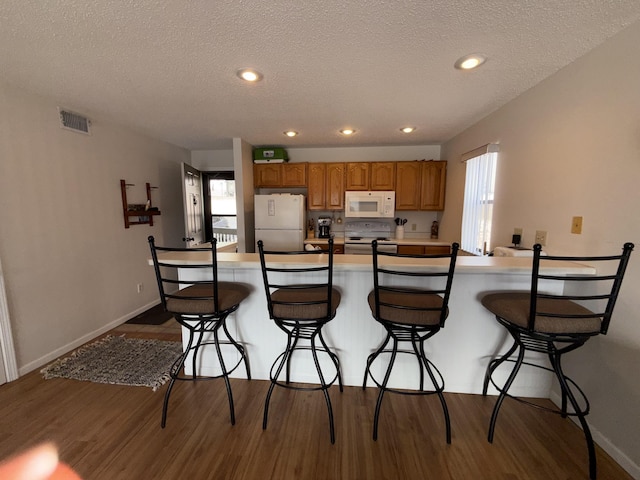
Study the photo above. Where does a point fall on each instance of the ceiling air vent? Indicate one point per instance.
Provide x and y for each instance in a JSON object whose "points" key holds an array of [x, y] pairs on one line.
{"points": [[73, 121]]}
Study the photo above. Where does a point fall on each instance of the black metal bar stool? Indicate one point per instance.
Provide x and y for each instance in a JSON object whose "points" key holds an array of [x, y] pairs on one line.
{"points": [[301, 300], [555, 324], [410, 314], [201, 305]]}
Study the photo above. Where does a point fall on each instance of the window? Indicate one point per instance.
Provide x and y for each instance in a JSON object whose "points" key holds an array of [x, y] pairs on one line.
{"points": [[221, 207], [478, 198]]}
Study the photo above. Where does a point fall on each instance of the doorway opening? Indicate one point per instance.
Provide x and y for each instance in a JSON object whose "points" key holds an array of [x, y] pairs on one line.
{"points": [[220, 207]]}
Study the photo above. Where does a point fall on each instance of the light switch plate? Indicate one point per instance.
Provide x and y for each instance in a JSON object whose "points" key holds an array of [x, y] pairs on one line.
{"points": [[576, 225]]}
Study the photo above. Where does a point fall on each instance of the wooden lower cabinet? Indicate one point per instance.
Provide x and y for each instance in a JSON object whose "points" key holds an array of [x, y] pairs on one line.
{"points": [[424, 249]]}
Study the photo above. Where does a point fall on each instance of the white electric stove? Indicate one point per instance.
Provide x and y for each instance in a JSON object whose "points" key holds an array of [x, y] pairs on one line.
{"points": [[359, 235]]}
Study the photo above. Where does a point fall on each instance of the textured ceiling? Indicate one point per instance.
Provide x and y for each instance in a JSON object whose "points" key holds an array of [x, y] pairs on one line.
{"points": [[167, 68]]}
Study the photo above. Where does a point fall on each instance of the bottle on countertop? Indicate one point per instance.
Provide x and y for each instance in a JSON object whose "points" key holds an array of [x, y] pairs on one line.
{"points": [[434, 229]]}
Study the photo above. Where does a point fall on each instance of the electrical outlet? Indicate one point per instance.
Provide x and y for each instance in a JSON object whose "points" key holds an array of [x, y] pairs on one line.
{"points": [[413, 227], [541, 237], [576, 225], [140, 287], [517, 231]]}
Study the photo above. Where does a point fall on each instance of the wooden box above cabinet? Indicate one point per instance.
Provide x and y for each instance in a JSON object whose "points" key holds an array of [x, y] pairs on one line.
{"points": [[420, 185], [277, 175]]}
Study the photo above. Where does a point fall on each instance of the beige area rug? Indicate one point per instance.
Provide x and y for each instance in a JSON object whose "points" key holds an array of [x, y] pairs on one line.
{"points": [[118, 361]]}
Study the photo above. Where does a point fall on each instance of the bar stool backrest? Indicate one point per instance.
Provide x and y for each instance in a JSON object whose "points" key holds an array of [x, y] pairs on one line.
{"points": [[597, 293], [433, 280], [310, 269], [203, 263]]}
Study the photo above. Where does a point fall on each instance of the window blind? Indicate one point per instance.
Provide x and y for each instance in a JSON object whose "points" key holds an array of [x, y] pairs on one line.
{"points": [[478, 199]]}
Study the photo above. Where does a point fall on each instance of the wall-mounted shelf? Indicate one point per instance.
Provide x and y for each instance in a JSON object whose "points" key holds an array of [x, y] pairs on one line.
{"points": [[135, 214]]}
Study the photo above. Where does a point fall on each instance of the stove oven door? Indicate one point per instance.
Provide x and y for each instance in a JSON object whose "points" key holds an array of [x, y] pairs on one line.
{"points": [[365, 248]]}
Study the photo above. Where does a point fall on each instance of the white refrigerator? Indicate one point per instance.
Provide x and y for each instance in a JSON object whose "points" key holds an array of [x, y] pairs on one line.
{"points": [[280, 221]]}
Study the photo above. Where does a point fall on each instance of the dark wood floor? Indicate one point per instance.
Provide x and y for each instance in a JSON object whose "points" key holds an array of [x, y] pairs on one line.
{"points": [[113, 432]]}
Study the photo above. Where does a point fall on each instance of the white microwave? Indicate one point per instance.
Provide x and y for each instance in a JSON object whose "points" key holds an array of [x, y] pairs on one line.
{"points": [[373, 204]]}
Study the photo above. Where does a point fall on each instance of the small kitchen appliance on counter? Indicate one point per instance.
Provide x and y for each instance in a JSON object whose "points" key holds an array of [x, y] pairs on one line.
{"points": [[324, 227], [359, 235]]}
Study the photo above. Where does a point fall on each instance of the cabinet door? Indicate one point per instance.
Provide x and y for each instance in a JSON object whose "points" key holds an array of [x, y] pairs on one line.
{"points": [[437, 250], [294, 175], [267, 175], [335, 186], [316, 186], [433, 183], [383, 176], [411, 249], [408, 181], [357, 176]]}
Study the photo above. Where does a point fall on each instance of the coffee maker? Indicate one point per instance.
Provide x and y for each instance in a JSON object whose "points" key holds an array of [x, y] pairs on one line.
{"points": [[324, 227]]}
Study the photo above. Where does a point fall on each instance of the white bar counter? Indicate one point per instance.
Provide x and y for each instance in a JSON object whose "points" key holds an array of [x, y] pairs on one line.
{"points": [[461, 350]]}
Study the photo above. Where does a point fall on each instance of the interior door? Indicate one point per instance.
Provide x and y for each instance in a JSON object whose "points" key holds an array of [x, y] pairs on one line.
{"points": [[193, 206]]}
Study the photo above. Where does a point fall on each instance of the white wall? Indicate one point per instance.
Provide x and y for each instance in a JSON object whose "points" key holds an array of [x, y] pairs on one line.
{"points": [[571, 147], [70, 266]]}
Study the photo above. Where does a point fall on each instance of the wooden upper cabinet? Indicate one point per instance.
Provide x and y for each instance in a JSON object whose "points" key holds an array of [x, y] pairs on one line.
{"points": [[335, 186], [433, 185], [274, 175], [316, 186], [325, 188], [382, 176], [267, 175], [294, 174], [357, 176], [408, 182]]}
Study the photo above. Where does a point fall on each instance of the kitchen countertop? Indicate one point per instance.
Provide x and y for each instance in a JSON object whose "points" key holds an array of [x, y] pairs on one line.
{"points": [[346, 262], [339, 240]]}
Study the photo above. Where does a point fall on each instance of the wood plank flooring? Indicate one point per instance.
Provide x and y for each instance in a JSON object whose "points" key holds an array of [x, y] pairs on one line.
{"points": [[113, 432]]}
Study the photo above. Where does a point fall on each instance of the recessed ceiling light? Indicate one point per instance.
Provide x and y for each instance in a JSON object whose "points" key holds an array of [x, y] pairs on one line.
{"points": [[469, 62], [408, 129], [347, 131], [249, 75], [290, 133]]}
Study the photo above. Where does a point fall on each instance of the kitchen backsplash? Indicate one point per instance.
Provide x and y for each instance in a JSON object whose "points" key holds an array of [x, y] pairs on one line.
{"points": [[421, 220]]}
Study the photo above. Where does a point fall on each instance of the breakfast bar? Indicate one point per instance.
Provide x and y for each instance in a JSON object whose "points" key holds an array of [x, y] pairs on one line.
{"points": [[461, 351]]}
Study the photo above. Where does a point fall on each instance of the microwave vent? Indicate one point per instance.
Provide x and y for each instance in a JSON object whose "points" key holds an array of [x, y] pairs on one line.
{"points": [[74, 121]]}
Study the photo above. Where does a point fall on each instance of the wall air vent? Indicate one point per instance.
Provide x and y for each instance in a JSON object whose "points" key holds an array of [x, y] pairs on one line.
{"points": [[73, 121]]}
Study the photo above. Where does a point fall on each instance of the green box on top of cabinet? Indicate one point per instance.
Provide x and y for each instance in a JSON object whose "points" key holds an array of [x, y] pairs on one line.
{"points": [[270, 155]]}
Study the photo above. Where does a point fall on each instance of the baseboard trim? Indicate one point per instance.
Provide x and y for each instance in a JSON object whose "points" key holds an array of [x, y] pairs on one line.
{"points": [[58, 352], [618, 455]]}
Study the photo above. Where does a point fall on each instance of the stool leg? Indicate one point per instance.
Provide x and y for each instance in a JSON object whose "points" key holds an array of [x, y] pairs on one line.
{"points": [[568, 394], [503, 392], [419, 352], [383, 388], [196, 349], [295, 334], [174, 373], [495, 363], [371, 358], [439, 389], [239, 347], [223, 367], [325, 387], [274, 378], [333, 357]]}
